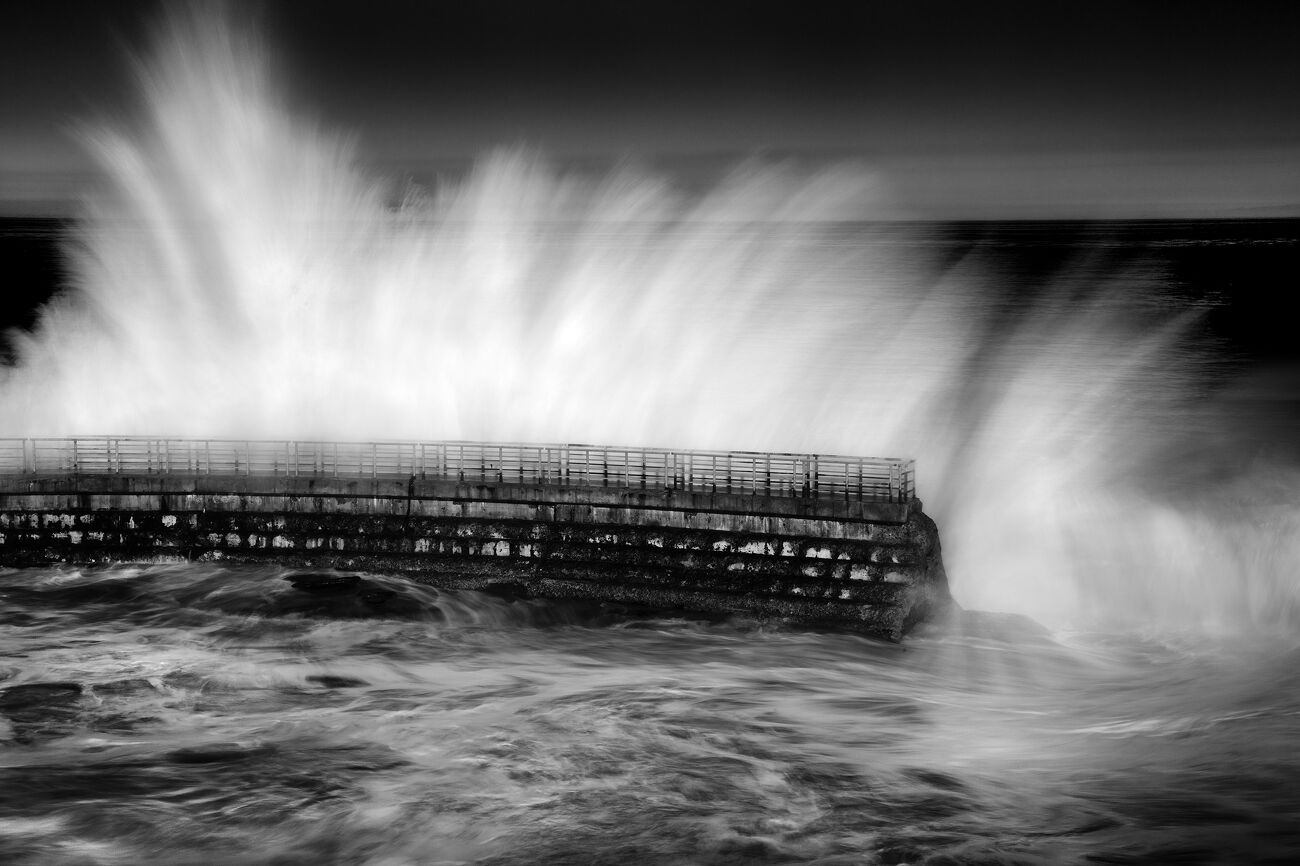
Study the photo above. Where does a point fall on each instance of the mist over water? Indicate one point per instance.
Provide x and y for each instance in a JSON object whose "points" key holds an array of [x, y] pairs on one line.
{"points": [[1086, 456], [237, 274]]}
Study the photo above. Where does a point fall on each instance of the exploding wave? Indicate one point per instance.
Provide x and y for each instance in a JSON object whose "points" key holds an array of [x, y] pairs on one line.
{"points": [[238, 274]]}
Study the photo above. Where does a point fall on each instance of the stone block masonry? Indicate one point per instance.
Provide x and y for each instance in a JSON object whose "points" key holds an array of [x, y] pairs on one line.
{"points": [[867, 565]]}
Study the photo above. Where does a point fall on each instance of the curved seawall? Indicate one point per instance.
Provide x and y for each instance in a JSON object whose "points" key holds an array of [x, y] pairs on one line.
{"points": [[831, 540]]}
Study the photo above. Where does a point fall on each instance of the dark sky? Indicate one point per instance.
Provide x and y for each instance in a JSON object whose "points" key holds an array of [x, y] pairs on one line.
{"points": [[999, 109]]}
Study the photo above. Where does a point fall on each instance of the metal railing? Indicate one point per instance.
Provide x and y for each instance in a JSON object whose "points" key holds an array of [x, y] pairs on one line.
{"points": [[743, 472]]}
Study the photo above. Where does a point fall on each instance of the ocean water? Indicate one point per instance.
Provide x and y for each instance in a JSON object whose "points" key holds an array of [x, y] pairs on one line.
{"points": [[199, 714], [1104, 417]]}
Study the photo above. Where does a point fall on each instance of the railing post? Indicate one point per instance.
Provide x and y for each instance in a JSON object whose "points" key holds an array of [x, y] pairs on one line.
{"points": [[746, 473]]}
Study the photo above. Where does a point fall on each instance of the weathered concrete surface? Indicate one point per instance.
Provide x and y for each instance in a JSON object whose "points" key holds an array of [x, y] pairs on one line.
{"points": [[877, 576], [719, 501]]}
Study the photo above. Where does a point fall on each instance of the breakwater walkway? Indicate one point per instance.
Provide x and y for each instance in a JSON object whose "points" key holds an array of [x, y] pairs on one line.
{"points": [[819, 538]]}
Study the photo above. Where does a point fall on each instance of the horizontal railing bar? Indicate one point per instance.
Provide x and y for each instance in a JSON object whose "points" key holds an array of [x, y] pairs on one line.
{"points": [[756, 472]]}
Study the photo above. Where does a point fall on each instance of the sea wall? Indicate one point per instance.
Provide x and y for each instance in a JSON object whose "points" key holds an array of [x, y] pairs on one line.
{"points": [[705, 552]]}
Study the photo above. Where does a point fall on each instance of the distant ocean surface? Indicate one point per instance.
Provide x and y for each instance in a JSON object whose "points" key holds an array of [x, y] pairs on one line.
{"points": [[197, 714]]}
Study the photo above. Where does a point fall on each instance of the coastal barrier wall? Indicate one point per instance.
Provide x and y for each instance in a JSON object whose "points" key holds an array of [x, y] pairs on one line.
{"points": [[831, 540]]}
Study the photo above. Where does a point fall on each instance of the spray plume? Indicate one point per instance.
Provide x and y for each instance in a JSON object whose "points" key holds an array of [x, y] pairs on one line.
{"points": [[238, 274]]}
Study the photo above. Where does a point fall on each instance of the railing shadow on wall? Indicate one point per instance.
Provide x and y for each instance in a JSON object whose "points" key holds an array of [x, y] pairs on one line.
{"points": [[815, 476]]}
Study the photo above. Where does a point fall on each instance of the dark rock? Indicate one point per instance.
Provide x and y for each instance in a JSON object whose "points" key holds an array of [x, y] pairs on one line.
{"points": [[324, 583], [509, 591], [330, 681], [376, 597]]}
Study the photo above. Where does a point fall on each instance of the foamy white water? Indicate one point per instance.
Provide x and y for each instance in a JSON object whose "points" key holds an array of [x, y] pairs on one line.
{"points": [[200, 714]]}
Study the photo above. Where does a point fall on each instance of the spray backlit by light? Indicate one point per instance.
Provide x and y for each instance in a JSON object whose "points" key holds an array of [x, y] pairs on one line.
{"points": [[237, 273]]}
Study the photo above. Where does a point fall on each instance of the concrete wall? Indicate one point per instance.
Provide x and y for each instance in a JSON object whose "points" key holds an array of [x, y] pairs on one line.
{"points": [[880, 575], [719, 501]]}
